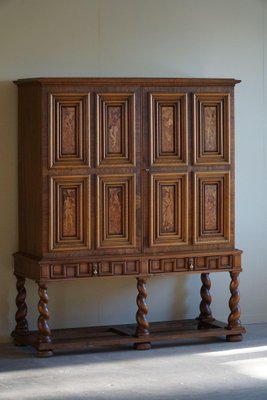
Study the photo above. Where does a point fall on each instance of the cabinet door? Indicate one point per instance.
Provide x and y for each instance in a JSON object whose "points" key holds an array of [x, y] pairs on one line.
{"points": [[69, 210], [117, 167], [211, 207], [69, 130], [213, 142], [211, 128], [165, 172], [168, 209], [68, 164]]}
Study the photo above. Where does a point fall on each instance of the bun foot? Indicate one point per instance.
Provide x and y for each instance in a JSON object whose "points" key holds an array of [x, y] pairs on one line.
{"points": [[234, 338], [44, 353], [142, 346], [18, 344]]}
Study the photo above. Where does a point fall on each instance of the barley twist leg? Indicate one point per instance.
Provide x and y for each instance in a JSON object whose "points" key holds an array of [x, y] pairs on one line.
{"points": [[233, 319], [204, 307], [43, 327], [20, 317], [142, 329]]}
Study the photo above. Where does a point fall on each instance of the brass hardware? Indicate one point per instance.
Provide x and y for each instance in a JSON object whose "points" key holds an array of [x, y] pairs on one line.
{"points": [[191, 265], [95, 269]]}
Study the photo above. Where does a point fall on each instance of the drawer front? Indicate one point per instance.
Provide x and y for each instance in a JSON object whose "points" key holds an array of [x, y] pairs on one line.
{"points": [[61, 271], [91, 269], [190, 264], [117, 268], [70, 271]]}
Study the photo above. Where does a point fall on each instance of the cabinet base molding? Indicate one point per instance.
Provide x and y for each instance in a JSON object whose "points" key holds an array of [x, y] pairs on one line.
{"points": [[82, 338]]}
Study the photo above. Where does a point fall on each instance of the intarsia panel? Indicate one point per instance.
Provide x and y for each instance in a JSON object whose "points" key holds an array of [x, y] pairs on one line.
{"points": [[116, 211], [212, 207], [69, 130], [169, 210], [212, 128], [69, 210], [115, 129], [168, 128]]}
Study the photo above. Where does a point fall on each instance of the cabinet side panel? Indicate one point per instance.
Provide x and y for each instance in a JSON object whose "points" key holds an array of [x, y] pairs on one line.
{"points": [[30, 173]]}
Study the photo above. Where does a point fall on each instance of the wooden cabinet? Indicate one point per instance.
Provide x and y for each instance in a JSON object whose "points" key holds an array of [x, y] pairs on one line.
{"points": [[125, 177]]}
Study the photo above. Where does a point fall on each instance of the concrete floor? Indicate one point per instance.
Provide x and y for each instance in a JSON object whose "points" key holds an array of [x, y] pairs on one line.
{"points": [[207, 369]]}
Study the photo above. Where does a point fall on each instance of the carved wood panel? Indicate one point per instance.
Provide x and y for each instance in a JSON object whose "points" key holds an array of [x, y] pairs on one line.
{"points": [[116, 211], [168, 129], [69, 130], [69, 210], [168, 209], [211, 128], [115, 129], [211, 207]]}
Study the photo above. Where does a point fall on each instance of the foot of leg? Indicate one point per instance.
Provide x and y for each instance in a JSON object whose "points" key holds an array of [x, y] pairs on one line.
{"points": [[44, 353], [142, 346], [234, 338]]}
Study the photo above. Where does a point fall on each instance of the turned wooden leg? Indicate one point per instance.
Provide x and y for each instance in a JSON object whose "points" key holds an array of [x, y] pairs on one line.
{"points": [[21, 321], [204, 307], [233, 319], [43, 327], [142, 329]]}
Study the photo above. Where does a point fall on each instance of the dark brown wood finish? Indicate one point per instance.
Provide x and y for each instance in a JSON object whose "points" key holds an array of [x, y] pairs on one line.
{"points": [[125, 177]]}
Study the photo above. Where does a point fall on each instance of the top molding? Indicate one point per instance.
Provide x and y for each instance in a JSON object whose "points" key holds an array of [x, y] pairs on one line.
{"points": [[129, 81]]}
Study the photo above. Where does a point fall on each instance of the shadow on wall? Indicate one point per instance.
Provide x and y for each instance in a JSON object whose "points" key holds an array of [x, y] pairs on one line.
{"points": [[8, 203]]}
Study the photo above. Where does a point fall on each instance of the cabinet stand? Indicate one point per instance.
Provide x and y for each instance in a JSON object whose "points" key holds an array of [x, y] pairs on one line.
{"points": [[140, 335]]}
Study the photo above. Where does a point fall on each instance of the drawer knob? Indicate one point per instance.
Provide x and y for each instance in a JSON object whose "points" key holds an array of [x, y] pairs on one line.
{"points": [[191, 264], [95, 269]]}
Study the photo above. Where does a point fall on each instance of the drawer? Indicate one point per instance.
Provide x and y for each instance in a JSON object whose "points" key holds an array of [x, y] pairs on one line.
{"points": [[116, 268], [203, 263]]}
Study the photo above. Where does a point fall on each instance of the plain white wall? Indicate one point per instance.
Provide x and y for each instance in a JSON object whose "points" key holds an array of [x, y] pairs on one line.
{"points": [[179, 38]]}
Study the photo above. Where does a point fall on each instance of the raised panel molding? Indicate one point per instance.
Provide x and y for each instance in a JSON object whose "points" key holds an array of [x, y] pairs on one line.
{"points": [[211, 207], [115, 129], [116, 211], [168, 129], [169, 209], [211, 128], [69, 210], [69, 130]]}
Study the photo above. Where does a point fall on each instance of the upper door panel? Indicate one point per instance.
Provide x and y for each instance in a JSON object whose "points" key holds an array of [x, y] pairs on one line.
{"points": [[211, 128], [168, 129], [69, 130], [115, 129]]}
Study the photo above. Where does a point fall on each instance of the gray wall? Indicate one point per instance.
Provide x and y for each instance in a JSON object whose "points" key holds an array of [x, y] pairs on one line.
{"points": [[182, 38]]}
